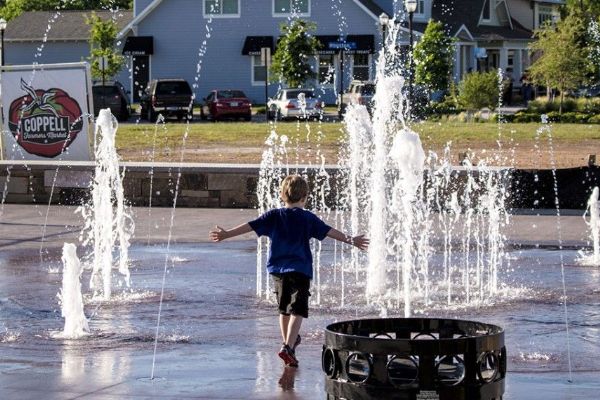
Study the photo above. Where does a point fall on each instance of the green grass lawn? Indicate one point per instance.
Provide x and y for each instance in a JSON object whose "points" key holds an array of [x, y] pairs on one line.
{"points": [[251, 134], [239, 134]]}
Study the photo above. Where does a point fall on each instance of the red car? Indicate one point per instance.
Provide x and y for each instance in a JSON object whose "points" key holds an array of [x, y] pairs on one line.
{"points": [[225, 104]]}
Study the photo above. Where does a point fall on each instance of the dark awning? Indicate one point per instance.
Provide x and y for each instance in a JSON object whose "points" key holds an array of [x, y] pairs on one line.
{"points": [[364, 44], [253, 44], [138, 46]]}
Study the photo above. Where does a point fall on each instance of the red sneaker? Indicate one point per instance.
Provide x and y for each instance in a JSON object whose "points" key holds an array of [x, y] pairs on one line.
{"points": [[288, 356]]}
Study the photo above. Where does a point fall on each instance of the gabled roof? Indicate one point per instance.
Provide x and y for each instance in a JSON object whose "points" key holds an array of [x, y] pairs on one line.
{"points": [[371, 7], [458, 13], [58, 25]]}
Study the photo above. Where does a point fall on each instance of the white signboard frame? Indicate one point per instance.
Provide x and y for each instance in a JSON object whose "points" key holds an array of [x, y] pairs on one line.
{"points": [[47, 112]]}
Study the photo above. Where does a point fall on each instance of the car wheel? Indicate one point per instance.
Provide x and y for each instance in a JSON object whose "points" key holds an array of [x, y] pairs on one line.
{"points": [[123, 115], [151, 115], [341, 112], [248, 118], [202, 115]]}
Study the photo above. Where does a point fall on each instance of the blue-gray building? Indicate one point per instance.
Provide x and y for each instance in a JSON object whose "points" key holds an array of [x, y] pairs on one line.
{"points": [[216, 44]]}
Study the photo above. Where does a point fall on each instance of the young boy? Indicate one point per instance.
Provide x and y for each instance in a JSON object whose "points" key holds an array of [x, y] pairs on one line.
{"points": [[290, 260]]}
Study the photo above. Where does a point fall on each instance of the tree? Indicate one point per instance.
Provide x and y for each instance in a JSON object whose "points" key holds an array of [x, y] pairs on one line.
{"points": [[589, 38], [103, 36], [563, 61], [13, 8], [433, 57], [478, 90], [586, 7], [291, 59]]}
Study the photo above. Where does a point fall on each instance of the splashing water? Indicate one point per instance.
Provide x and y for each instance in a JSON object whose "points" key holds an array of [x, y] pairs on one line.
{"points": [[71, 300], [406, 203], [593, 209], [108, 223]]}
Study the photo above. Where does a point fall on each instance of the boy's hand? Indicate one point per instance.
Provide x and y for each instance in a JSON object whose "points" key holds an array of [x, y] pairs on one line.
{"points": [[218, 234], [361, 242]]}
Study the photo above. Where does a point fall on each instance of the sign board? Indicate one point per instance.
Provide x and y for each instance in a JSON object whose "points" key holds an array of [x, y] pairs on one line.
{"points": [[265, 55], [45, 112], [342, 45], [103, 62]]}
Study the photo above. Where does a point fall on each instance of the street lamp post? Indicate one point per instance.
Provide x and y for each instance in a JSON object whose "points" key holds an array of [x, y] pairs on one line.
{"points": [[384, 20], [2, 29], [411, 7]]}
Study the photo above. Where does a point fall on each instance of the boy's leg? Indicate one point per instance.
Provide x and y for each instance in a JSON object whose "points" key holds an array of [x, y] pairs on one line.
{"points": [[295, 322], [284, 321]]}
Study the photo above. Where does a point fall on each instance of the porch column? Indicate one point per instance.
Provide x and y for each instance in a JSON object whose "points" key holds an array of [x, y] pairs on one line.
{"points": [[503, 59], [457, 62], [517, 67]]}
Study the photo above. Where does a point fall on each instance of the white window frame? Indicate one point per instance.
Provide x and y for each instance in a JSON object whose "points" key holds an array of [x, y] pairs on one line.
{"points": [[221, 15], [420, 8], [548, 10], [487, 4], [287, 14], [334, 63], [253, 64], [369, 65]]}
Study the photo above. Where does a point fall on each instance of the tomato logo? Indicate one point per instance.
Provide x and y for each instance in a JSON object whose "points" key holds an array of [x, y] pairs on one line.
{"points": [[44, 123]]}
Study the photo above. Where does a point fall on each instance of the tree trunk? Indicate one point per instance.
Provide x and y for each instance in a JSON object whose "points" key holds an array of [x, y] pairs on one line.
{"points": [[562, 97]]}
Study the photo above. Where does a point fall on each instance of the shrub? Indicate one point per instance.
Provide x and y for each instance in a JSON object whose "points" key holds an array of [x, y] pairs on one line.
{"points": [[442, 108], [527, 117], [478, 90], [573, 117], [537, 106], [568, 117], [589, 106], [594, 119]]}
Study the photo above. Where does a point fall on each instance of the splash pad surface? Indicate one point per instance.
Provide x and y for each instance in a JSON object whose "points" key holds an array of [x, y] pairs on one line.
{"points": [[217, 340]]}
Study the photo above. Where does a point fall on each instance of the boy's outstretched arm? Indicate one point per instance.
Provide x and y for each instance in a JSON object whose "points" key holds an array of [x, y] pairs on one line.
{"points": [[219, 234], [359, 241]]}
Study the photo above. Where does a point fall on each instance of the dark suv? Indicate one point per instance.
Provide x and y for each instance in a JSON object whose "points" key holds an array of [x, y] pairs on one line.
{"points": [[111, 95], [169, 97]]}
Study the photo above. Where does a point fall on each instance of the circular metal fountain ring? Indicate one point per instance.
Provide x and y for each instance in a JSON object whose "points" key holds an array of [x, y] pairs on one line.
{"points": [[413, 359]]}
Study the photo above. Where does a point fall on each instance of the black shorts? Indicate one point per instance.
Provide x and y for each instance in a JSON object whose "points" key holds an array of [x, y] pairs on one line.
{"points": [[292, 292]]}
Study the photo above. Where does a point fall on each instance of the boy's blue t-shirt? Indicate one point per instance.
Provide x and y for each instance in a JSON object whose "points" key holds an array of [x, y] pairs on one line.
{"points": [[290, 231]]}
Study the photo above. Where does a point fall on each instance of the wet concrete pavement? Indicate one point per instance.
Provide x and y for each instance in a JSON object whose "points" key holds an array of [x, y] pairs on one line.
{"points": [[217, 340]]}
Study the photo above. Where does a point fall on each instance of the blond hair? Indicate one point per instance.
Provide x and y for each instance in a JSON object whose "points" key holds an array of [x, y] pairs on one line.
{"points": [[293, 189]]}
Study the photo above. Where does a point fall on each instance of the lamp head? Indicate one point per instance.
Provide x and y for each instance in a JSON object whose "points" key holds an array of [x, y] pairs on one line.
{"points": [[411, 5], [2, 24], [384, 19]]}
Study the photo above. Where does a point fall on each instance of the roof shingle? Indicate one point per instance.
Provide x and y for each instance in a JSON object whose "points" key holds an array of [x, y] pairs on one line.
{"points": [[59, 25]]}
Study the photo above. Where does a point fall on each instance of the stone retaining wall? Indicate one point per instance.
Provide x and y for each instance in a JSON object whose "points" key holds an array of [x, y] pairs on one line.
{"points": [[199, 185], [234, 186]]}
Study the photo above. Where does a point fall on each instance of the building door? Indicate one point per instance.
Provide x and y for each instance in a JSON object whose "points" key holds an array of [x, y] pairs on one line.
{"points": [[141, 76]]}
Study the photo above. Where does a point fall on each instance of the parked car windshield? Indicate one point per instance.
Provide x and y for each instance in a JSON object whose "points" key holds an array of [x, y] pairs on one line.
{"points": [[294, 94], [173, 88], [368, 90], [230, 94]]}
